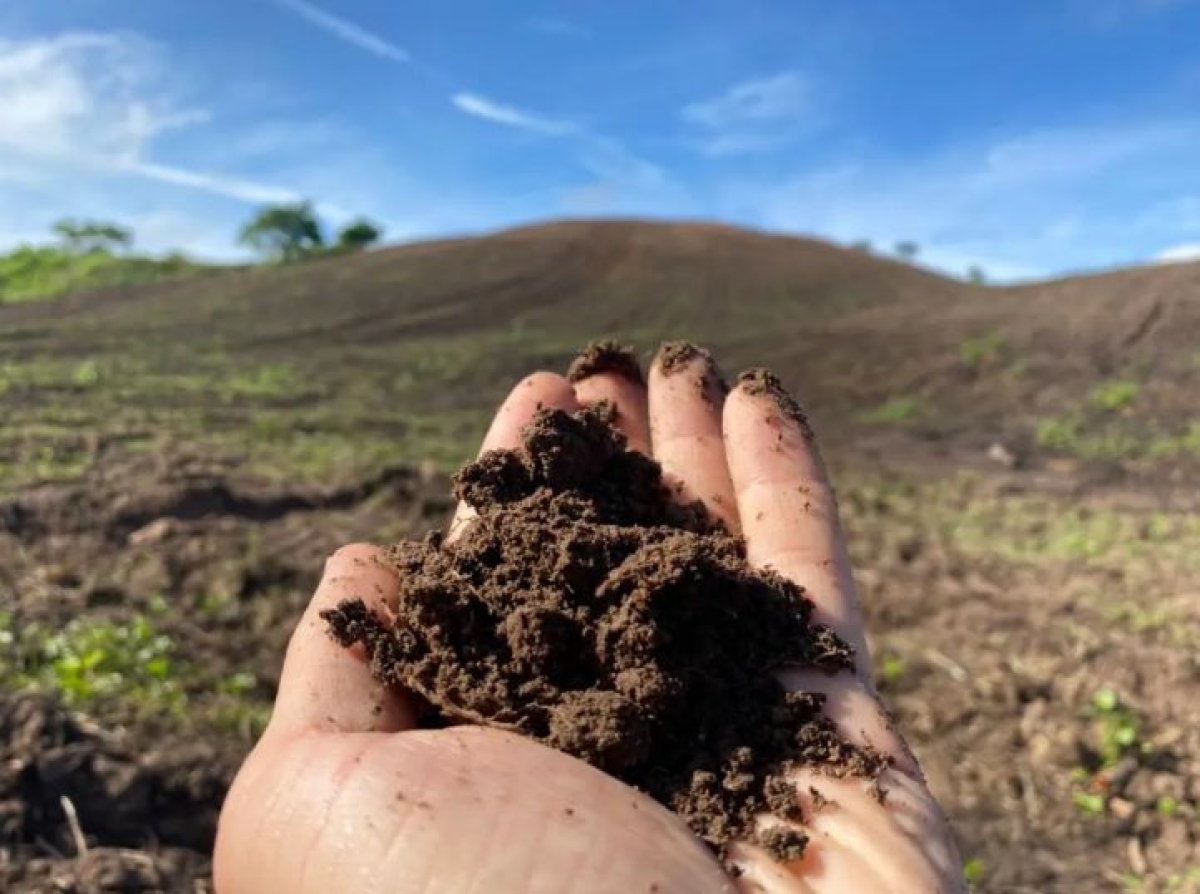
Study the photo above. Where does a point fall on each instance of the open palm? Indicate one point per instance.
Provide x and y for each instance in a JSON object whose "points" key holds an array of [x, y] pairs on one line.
{"points": [[344, 794]]}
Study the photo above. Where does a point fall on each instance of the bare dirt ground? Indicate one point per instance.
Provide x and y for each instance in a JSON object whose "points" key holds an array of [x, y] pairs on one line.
{"points": [[999, 635], [1018, 469]]}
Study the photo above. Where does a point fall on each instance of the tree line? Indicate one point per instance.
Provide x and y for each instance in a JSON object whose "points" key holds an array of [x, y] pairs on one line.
{"points": [[281, 233]]}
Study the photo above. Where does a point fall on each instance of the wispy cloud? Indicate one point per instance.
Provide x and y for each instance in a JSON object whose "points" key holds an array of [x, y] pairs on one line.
{"points": [[1177, 254], [509, 116], [1025, 205], [345, 30], [780, 96], [217, 184], [91, 102], [753, 116]]}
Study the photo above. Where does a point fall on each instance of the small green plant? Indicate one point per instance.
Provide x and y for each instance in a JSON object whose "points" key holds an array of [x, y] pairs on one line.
{"points": [[1115, 396], [1118, 726], [896, 409], [1088, 803], [1058, 433], [982, 350], [1167, 806], [86, 374], [893, 669], [974, 871], [89, 660]]}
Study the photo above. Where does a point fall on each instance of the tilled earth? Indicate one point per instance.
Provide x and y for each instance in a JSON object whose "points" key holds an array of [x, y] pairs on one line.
{"points": [[1045, 672]]}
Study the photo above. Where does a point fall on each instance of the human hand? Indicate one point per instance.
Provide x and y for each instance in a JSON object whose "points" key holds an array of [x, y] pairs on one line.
{"points": [[343, 794]]}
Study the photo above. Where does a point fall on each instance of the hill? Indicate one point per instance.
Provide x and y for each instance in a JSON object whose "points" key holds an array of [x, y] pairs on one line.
{"points": [[341, 364]]}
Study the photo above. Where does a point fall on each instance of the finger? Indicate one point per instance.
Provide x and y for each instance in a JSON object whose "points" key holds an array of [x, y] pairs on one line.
{"points": [[685, 396], [542, 390], [325, 686], [608, 372], [890, 840], [786, 504]]}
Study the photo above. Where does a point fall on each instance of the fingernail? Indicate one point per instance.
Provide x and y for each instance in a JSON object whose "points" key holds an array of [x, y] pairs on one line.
{"points": [[674, 357], [605, 357]]}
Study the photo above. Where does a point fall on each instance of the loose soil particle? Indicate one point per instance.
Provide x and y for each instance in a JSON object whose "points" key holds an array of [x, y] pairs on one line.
{"points": [[588, 610], [675, 357], [764, 383]]}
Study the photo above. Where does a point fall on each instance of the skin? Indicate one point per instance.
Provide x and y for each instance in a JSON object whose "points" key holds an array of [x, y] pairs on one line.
{"points": [[342, 794]]}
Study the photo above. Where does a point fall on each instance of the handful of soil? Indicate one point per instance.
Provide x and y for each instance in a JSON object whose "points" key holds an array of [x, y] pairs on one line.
{"points": [[587, 609]]}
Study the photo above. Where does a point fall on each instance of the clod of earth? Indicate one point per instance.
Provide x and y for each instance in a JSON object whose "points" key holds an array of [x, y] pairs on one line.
{"points": [[587, 609]]}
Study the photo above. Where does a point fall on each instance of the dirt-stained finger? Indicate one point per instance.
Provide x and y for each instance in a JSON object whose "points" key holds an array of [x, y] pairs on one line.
{"points": [[787, 506], [686, 398], [324, 686], [605, 371]]}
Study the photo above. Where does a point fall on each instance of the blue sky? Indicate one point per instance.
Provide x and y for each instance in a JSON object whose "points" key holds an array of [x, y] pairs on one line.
{"points": [[1029, 138]]}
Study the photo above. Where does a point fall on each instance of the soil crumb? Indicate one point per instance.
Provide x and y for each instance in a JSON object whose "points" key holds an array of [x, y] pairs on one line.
{"points": [[605, 357], [760, 382], [675, 357], [586, 609]]}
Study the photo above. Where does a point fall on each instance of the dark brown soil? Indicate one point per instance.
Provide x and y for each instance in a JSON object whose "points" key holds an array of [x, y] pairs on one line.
{"points": [[585, 610], [133, 799], [605, 357]]}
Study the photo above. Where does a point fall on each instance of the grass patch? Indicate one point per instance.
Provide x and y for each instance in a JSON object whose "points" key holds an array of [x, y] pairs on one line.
{"points": [[895, 410], [129, 666], [36, 273], [90, 661], [1070, 434], [1115, 395], [982, 350]]}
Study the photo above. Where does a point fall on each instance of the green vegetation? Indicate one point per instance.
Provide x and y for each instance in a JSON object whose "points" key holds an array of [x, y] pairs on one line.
{"points": [[284, 232], [358, 235], [894, 410], [32, 273], [130, 665], [92, 660], [974, 871], [1117, 726], [982, 350], [92, 236], [292, 232], [1115, 396], [976, 275], [907, 249], [892, 670]]}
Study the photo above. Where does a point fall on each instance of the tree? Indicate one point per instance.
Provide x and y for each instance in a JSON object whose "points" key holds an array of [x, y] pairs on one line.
{"points": [[976, 275], [88, 236], [907, 250], [358, 234], [863, 245], [284, 232]]}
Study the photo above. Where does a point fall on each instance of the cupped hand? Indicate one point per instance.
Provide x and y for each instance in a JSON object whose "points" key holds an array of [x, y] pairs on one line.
{"points": [[343, 795]]}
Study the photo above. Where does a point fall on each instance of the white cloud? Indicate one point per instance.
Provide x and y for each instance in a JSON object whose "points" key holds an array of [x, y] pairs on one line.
{"points": [[81, 120], [217, 184], [345, 30], [1176, 254], [498, 113], [781, 96], [1029, 204], [753, 116], [82, 96]]}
